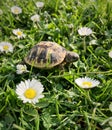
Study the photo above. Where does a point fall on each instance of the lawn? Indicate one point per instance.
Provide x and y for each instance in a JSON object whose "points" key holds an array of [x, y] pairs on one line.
{"points": [[76, 96]]}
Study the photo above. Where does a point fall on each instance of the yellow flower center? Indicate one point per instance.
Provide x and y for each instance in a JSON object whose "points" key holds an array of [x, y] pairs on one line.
{"points": [[5, 47], [23, 68], [30, 93], [16, 11], [86, 83], [19, 33]]}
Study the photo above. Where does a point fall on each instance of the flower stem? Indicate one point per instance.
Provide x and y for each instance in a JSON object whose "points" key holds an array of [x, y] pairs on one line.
{"points": [[37, 121], [84, 44]]}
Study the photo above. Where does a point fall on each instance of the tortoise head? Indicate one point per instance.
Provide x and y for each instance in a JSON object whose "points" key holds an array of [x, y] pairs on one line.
{"points": [[71, 57]]}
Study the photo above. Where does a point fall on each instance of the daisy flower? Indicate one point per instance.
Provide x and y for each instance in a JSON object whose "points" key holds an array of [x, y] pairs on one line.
{"points": [[35, 18], [93, 42], [30, 91], [16, 10], [39, 4], [6, 47], [84, 31], [18, 33], [21, 69], [86, 82], [110, 54]]}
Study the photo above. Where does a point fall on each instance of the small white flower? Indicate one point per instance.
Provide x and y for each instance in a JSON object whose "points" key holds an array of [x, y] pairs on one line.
{"points": [[6, 47], [35, 18], [1, 12], [71, 94], [39, 4], [70, 25], [21, 69], [30, 91], [18, 33], [93, 42], [86, 82], [84, 31], [16, 10], [110, 54]]}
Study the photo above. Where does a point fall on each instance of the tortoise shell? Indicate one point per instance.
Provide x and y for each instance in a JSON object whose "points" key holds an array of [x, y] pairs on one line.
{"points": [[46, 54]]}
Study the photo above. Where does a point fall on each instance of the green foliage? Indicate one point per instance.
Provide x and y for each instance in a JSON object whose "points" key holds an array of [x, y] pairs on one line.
{"points": [[65, 106]]}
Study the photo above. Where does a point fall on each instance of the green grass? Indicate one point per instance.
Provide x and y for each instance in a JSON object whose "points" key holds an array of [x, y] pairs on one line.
{"points": [[65, 106]]}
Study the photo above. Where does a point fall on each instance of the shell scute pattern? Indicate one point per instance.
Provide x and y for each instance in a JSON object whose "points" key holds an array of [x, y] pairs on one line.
{"points": [[42, 56], [46, 55], [32, 54]]}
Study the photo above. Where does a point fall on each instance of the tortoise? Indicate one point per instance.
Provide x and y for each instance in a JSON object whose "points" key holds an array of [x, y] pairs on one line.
{"points": [[47, 54]]}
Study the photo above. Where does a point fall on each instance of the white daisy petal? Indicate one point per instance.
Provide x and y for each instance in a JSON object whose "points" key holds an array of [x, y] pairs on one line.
{"points": [[22, 85], [86, 82], [85, 31], [20, 90], [27, 83], [40, 96], [33, 82], [30, 91], [6, 47]]}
